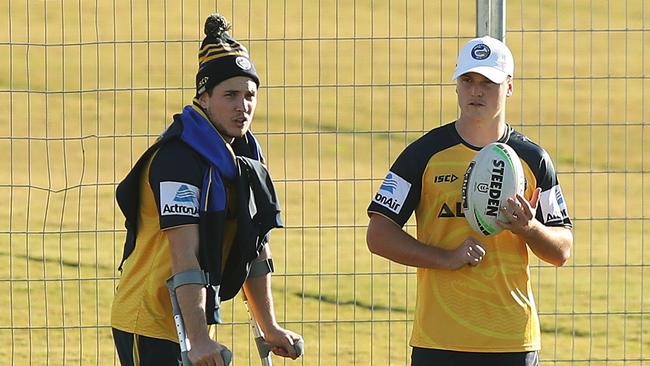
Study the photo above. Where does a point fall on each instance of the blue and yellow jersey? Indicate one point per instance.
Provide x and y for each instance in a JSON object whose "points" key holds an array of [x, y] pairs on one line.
{"points": [[170, 185], [490, 307]]}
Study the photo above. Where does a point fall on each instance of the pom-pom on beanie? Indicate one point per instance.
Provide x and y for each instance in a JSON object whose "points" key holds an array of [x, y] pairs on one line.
{"points": [[221, 56]]}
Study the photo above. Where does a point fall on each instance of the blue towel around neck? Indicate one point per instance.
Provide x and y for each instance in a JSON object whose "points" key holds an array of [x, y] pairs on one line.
{"points": [[203, 137]]}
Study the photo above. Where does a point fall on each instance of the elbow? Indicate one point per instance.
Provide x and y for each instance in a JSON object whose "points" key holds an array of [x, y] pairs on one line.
{"points": [[375, 239], [564, 252], [371, 241], [557, 257], [562, 258], [380, 234], [558, 249], [373, 236]]}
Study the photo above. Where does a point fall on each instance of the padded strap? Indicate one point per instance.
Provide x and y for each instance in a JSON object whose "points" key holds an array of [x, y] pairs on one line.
{"points": [[193, 276], [261, 268]]}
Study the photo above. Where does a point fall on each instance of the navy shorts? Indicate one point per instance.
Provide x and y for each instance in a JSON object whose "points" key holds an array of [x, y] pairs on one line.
{"points": [[138, 350], [435, 357]]}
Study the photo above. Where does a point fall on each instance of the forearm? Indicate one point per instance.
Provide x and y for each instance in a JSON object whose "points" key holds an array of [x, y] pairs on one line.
{"points": [[260, 297], [191, 299], [386, 239], [550, 244]]}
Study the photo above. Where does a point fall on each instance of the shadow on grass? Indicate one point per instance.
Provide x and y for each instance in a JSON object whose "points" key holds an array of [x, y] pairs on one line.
{"points": [[565, 331], [334, 301], [63, 262]]}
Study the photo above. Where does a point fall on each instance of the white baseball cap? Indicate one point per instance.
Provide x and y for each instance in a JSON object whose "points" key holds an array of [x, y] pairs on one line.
{"points": [[487, 56]]}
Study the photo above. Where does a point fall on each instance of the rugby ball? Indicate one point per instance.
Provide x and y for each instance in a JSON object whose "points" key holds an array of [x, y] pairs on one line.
{"points": [[494, 175]]}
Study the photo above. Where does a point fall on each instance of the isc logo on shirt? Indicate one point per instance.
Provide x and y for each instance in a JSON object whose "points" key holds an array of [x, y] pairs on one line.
{"points": [[177, 198], [393, 192]]}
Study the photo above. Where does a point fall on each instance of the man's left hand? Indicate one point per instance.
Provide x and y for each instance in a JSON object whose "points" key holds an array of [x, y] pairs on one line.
{"points": [[520, 213], [282, 340]]}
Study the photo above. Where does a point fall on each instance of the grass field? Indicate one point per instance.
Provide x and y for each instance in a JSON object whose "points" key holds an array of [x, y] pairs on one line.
{"points": [[87, 85]]}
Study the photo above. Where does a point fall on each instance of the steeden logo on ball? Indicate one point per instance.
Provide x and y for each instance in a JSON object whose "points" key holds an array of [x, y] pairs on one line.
{"points": [[494, 175]]}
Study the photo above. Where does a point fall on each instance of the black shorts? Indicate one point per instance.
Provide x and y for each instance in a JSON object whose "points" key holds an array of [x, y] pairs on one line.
{"points": [[435, 357], [138, 350]]}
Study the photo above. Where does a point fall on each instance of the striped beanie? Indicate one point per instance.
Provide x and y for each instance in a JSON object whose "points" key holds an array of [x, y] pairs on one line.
{"points": [[221, 56]]}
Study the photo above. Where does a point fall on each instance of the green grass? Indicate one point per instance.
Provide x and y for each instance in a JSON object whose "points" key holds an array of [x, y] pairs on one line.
{"points": [[345, 88]]}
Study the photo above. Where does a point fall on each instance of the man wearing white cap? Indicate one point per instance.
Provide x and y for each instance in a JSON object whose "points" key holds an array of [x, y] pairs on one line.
{"points": [[475, 302]]}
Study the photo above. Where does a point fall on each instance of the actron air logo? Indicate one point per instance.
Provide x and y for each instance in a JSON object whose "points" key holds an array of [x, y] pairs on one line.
{"points": [[179, 198], [389, 184], [393, 192], [184, 194]]}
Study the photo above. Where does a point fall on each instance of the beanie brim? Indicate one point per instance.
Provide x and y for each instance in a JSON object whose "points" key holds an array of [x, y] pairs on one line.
{"points": [[220, 69]]}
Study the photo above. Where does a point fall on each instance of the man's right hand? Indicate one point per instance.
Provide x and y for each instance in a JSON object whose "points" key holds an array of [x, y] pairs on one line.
{"points": [[207, 353], [470, 252]]}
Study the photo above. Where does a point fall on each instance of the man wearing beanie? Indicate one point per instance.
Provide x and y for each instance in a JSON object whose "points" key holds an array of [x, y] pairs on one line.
{"points": [[475, 303], [199, 205]]}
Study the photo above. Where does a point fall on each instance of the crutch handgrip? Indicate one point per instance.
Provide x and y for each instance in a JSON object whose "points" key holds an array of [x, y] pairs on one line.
{"points": [[264, 349], [299, 346], [226, 355]]}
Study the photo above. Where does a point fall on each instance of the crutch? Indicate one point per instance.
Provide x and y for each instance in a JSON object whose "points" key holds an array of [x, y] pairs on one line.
{"points": [[179, 279], [263, 348]]}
